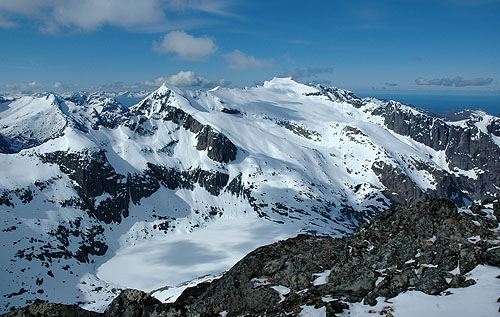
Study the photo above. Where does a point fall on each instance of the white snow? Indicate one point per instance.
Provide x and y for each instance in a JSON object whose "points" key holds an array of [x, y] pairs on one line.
{"points": [[282, 291], [321, 278], [310, 311], [479, 300], [183, 257]]}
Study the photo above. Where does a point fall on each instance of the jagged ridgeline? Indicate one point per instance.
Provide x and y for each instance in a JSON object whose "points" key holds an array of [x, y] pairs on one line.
{"points": [[83, 175], [430, 247]]}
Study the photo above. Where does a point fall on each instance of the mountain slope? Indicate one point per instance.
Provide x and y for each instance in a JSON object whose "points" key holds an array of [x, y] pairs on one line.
{"points": [[99, 177], [414, 252]]}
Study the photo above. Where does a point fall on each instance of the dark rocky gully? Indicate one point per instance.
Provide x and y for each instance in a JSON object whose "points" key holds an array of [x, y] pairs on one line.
{"points": [[403, 248]]}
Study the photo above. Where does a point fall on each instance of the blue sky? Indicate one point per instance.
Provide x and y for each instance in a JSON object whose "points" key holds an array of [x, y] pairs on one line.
{"points": [[440, 47]]}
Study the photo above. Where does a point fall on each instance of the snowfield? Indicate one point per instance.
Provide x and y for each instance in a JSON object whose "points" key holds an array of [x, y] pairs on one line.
{"points": [[182, 257]]}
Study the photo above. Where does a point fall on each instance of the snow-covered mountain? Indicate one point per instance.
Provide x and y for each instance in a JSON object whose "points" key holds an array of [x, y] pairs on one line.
{"points": [[83, 176]]}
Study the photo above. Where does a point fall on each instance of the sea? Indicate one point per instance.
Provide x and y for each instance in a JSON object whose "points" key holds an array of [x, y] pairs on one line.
{"points": [[444, 104]]}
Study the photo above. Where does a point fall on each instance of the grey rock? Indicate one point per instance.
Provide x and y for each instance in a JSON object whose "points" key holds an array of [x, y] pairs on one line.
{"points": [[432, 281], [133, 303], [51, 310]]}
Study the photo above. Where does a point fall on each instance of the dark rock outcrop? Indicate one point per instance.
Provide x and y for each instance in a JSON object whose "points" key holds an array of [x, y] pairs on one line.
{"points": [[467, 148], [51, 310], [338, 95], [219, 148], [132, 303], [94, 177], [172, 178], [402, 190], [5, 146]]}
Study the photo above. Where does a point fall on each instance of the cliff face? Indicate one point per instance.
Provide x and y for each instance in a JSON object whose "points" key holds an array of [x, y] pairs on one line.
{"points": [[467, 146]]}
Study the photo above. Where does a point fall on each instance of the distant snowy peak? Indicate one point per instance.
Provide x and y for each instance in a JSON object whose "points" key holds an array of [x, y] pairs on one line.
{"points": [[287, 84], [31, 121], [154, 104]]}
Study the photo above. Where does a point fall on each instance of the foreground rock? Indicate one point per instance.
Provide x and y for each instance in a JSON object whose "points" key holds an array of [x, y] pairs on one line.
{"points": [[51, 310], [428, 247]]}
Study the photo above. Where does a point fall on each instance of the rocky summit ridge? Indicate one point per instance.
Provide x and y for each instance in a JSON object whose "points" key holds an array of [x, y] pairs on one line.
{"points": [[429, 247], [83, 176]]}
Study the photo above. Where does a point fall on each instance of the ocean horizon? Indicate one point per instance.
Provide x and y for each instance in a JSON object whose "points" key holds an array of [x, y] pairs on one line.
{"points": [[442, 104]]}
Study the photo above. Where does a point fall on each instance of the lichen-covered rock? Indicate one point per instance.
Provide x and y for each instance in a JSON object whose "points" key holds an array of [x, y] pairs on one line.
{"points": [[51, 310], [132, 303]]}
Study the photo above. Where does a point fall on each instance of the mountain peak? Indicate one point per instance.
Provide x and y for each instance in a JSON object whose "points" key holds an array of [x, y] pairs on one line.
{"points": [[162, 90], [288, 84], [280, 81]]}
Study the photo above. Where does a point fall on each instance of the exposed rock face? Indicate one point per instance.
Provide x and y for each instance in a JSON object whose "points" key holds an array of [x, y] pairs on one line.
{"points": [[340, 95], [5, 146], [401, 190], [172, 178], [219, 148], [51, 310], [131, 303], [95, 177], [467, 148]]}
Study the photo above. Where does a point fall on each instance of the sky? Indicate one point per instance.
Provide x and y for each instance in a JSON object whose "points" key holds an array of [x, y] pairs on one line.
{"points": [[402, 46]]}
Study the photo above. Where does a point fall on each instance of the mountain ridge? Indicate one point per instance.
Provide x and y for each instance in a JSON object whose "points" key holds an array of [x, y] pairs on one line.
{"points": [[315, 156]]}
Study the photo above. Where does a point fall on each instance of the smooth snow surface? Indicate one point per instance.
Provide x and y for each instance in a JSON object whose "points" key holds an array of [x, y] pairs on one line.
{"points": [[479, 300], [310, 311], [181, 257]]}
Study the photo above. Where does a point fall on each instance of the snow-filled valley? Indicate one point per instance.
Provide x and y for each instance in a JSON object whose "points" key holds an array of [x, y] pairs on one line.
{"points": [[96, 197]]}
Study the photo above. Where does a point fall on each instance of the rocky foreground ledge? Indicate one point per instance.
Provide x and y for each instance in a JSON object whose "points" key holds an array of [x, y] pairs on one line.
{"points": [[428, 247]]}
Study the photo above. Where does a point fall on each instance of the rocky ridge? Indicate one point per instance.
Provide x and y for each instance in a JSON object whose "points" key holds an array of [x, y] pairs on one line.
{"points": [[429, 247]]}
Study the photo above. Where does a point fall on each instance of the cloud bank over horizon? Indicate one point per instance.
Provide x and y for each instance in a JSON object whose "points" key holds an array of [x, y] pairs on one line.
{"points": [[456, 82], [89, 15]]}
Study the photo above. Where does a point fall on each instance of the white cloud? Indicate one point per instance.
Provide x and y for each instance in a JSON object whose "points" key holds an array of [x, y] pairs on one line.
{"points": [[218, 7], [50, 15], [92, 14], [153, 83], [185, 79], [22, 87], [238, 60], [57, 85], [84, 14], [457, 81], [186, 46], [6, 24]]}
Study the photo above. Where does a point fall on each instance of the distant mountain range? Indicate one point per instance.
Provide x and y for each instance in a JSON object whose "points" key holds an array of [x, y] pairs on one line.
{"points": [[83, 174]]}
